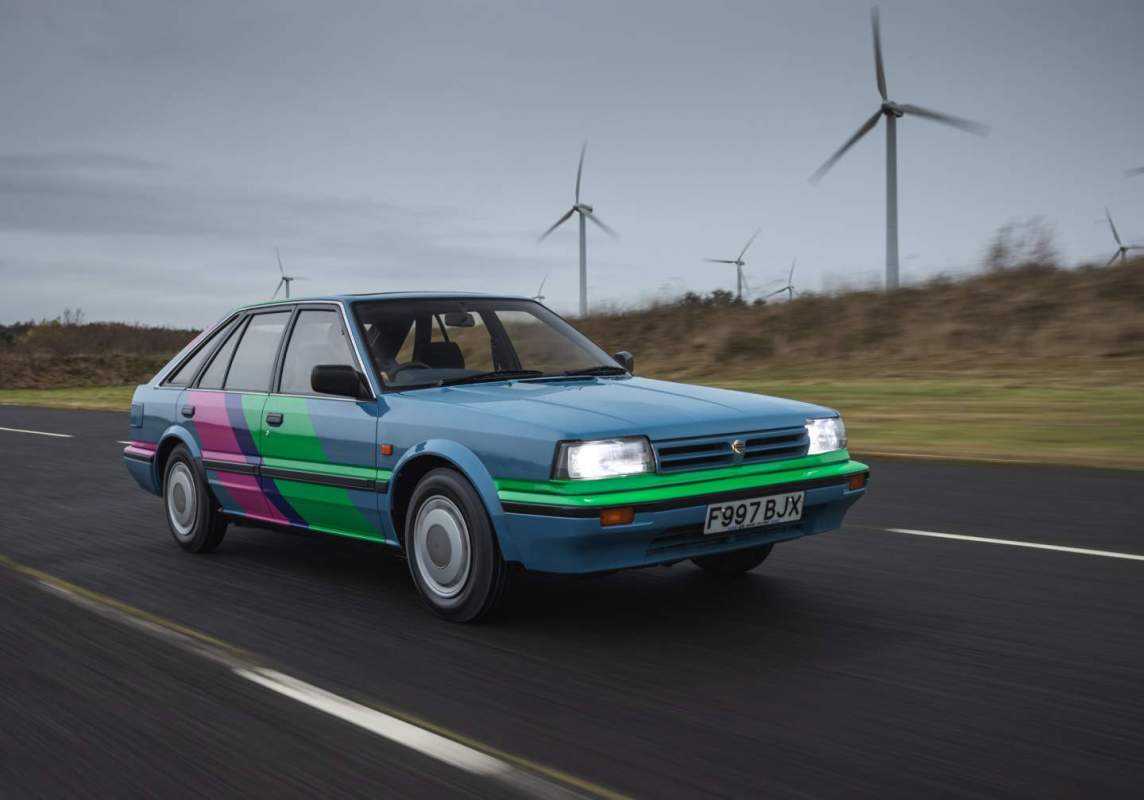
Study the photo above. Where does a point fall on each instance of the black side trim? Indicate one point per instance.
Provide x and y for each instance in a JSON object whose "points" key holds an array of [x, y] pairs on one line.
{"points": [[230, 466], [140, 458], [340, 481], [668, 505]]}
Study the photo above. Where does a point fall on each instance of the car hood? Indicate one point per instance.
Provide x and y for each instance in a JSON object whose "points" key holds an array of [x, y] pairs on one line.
{"points": [[581, 409]]}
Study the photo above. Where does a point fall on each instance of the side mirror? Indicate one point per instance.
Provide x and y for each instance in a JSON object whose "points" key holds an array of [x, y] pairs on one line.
{"points": [[625, 360], [337, 379]]}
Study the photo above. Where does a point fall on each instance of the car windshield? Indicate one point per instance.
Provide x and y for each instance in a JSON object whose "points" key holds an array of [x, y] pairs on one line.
{"points": [[436, 342]]}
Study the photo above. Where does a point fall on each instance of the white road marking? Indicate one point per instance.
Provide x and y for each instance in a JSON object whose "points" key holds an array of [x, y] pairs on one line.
{"points": [[392, 728], [39, 433], [1016, 543]]}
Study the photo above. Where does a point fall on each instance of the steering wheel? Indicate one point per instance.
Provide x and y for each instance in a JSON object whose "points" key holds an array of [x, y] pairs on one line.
{"points": [[408, 365]]}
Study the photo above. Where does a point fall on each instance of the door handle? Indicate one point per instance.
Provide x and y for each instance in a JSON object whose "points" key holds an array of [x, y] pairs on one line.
{"points": [[187, 411], [274, 418]]}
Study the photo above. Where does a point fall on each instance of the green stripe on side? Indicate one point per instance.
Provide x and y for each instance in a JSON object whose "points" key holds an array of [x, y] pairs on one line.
{"points": [[653, 488]]}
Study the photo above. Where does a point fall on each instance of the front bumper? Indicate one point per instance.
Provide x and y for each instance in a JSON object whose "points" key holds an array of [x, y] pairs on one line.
{"points": [[557, 531]]}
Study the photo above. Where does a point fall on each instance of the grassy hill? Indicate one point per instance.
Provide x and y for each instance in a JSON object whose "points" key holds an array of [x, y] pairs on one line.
{"points": [[1033, 363]]}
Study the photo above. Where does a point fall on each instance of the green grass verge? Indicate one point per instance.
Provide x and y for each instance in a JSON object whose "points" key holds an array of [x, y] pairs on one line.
{"points": [[1052, 423], [102, 398], [971, 418]]}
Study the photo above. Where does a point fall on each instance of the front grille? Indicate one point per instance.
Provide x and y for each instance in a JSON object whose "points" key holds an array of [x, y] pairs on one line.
{"points": [[699, 452]]}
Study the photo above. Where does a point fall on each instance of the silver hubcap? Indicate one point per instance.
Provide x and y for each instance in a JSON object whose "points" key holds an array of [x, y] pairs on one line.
{"points": [[441, 547], [181, 500]]}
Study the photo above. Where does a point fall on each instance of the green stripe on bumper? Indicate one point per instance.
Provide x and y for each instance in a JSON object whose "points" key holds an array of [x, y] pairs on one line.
{"points": [[655, 488]]}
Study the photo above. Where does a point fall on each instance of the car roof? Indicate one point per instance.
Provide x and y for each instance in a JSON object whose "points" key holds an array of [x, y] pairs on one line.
{"points": [[367, 296]]}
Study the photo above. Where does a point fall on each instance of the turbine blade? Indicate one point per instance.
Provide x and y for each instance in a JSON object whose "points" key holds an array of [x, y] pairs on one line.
{"points": [[602, 226], [967, 125], [542, 282], [867, 126], [580, 170], [743, 252], [879, 68], [278, 287], [790, 277], [1134, 171], [1115, 235], [278, 255], [557, 224], [1112, 260], [719, 261]]}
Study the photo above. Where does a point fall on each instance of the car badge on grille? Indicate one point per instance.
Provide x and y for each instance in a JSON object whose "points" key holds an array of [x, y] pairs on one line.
{"points": [[738, 447]]}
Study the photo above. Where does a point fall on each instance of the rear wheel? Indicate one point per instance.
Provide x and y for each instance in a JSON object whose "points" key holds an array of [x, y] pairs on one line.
{"points": [[194, 518], [735, 562], [452, 549]]}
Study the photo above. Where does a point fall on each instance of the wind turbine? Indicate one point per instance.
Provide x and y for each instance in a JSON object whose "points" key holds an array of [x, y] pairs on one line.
{"points": [[1121, 248], [586, 213], [1131, 173], [285, 280], [739, 264], [539, 296], [789, 288], [892, 111]]}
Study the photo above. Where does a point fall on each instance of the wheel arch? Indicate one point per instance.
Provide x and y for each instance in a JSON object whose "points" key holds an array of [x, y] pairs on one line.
{"points": [[434, 453], [172, 438]]}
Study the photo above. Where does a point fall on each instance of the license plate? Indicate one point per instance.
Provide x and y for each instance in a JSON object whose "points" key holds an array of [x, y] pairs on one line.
{"points": [[754, 512]]}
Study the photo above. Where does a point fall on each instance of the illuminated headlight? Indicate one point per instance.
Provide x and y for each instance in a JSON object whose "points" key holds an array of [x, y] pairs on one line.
{"points": [[825, 434], [604, 458]]}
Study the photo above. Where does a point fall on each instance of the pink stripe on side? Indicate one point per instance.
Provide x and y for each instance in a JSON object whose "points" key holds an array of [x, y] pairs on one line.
{"points": [[216, 436]]}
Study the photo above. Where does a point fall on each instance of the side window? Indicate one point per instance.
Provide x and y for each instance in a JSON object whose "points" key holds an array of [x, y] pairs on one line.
{"points": [[254, 358], [215, 373], [186, 373], [317, 339]]}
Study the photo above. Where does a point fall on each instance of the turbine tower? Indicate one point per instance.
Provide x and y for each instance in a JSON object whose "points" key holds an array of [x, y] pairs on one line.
{"points": [[892, 111], [739, 264], [586, 213], [1122, 249], [285, 280]]}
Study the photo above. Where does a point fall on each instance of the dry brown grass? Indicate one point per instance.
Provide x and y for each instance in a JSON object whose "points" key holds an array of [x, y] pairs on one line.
{"points": [[1060, 324], [60, 354]]}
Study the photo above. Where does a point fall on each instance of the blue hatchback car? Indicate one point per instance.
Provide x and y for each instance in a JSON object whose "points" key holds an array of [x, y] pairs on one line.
{"points": [[475, 433]]}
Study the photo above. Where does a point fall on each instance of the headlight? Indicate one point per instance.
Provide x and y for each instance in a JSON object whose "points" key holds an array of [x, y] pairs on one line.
{"points": [[604, 458], [826, 434]]}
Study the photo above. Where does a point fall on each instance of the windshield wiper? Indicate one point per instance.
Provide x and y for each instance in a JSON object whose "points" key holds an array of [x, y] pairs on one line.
{"points": [[602, 369], [495, 375]]}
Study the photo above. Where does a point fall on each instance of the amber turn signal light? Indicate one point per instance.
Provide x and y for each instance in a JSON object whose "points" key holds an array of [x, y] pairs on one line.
{"points": [[857, 481], [617, 516], [387, 449]]}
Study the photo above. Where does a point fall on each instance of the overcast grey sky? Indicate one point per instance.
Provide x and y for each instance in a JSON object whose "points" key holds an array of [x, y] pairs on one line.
{"points": [[152, 154]]}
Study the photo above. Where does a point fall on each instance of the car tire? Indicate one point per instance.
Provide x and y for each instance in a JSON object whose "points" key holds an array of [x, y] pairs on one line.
{"points": [[734, 563], [452, 549], [194, 518]]}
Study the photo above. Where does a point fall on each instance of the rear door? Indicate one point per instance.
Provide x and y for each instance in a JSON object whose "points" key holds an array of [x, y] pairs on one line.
{"points": [[224, 409], [319, 452]]}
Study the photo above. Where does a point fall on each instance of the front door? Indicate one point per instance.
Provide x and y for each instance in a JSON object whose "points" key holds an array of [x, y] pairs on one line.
{"points": [[319, 453]]}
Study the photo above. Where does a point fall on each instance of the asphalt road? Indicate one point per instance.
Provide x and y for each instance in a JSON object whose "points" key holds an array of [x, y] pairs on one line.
{"points": [[861, 663]]}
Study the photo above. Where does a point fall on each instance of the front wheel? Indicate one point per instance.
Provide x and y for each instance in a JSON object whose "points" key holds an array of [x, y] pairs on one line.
{"points": [[735, 562], [195, 520], [452, 549]]}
